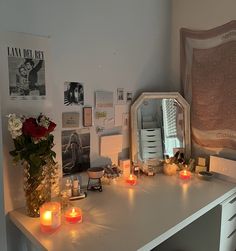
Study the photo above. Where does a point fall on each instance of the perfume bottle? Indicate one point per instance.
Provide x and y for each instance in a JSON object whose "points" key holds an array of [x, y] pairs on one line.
{"points": [[75, 186], [68, 188]]}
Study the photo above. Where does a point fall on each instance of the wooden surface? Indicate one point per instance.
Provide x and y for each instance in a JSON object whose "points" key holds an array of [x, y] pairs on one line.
{"points": [[130, 218]]}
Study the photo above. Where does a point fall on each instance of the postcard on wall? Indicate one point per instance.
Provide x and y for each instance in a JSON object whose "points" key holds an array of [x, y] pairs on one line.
{"points": [[104, 118], [70, 119], [73, 93], [120, 110], [120, 95], [129, 97], [103, 99], [87, 116], [75, 151]]}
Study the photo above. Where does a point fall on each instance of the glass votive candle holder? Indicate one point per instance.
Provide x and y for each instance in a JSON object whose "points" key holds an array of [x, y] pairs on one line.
{"points": [[50, 216], [73, 215], [131, 179], [185, 174]]}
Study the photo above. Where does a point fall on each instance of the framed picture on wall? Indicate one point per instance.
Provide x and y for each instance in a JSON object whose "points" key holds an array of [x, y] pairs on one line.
{"points": [[87, 116]]}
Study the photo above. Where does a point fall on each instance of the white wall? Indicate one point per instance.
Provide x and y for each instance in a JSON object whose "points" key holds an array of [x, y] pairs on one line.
{"points": [[192, 14], [104, 44]]}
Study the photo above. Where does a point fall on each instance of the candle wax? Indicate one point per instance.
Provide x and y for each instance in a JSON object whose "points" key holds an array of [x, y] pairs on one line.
{"points": [[132, 179], [185, 175], [73, 215]]}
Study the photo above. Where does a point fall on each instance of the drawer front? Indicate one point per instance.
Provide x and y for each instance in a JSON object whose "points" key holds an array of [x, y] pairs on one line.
{"points": [[228, 209], [227, 228], [152, 143], [151, 132], [228, 243], [153, 155]]}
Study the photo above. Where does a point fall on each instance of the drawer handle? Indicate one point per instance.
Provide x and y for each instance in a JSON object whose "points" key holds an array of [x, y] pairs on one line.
{"points": [[233, 200], [232, 234], [232, 217]]}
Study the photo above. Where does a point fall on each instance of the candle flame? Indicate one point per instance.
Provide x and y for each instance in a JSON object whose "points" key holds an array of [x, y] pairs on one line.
{"points": [[47, 215]]}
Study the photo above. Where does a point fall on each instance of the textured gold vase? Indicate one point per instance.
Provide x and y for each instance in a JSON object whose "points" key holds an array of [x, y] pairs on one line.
{"points": [[37, 188]]}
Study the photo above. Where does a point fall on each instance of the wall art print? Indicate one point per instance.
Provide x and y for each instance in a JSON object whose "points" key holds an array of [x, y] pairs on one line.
{"points": [[26, 69]]}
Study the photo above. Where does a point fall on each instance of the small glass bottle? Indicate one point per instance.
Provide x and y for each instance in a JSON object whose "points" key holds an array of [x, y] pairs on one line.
{"points": [[75, 187], [68, 188]]}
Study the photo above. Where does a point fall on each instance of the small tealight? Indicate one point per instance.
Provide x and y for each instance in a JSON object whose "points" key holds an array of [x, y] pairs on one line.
{"points": [[73, 215], [185, 175], [50, 216], [132, 179]]}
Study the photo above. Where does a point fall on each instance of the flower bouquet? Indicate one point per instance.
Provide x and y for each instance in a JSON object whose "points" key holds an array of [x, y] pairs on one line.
{"points": [[33, 143]]}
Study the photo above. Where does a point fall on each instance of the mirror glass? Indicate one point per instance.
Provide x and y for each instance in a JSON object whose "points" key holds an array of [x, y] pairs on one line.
{"points": [[160, 126]]}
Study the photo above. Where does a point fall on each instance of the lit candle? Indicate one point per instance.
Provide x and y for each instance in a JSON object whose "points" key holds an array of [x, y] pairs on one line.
{"points": [[185, 175], [50, 216], [132, 179], [73, 215]]}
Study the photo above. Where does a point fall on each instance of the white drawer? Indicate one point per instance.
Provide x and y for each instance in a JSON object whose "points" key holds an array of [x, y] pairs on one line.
{"points": [[152, 155], [151, 132], [228, 243], [227, 228], [228, 208], [152, 143]]}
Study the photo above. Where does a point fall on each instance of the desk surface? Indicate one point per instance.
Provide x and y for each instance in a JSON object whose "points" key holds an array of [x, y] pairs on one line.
{"points": [[130, 218]]}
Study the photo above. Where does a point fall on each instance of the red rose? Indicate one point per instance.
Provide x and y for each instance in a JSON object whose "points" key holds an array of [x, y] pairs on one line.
{"points": [[32, 129], [51, 127]]}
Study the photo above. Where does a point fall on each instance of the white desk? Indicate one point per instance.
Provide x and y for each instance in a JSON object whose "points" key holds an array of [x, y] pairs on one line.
{"points": [[130, 218]]}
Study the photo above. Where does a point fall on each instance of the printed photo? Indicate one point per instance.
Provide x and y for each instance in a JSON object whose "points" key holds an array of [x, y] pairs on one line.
{"points": [[129, 96], [104, 99], [75, 151], [70, 119], [73, 93], [26, 72], [120, 95]]}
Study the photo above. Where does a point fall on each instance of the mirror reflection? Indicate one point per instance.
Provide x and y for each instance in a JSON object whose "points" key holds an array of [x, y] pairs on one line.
{"points": [[160, 127]]}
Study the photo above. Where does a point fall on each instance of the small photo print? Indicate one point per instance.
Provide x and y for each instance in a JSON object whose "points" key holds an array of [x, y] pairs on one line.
{"points": [[73, 93], [129, 96], [103, 99], [75, 151], [120, 94], [70, 119]]}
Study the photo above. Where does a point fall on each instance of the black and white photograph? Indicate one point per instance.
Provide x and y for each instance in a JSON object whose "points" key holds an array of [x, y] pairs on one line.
{"points": [[73, 93], [26, 72], [129, 96], [75, 151], [120, 95]]}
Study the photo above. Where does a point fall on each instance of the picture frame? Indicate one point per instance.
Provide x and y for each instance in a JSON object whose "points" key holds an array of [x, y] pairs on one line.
{"points": [[87, 116]]}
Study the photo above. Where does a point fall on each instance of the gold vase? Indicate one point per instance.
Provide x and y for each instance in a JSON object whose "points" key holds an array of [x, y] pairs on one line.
{"points": [[37, 188]]}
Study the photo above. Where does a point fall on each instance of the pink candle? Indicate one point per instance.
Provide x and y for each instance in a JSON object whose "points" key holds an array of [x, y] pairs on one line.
{"points": [[73, 215], [50, 216], [132, 179], [185, 175]]}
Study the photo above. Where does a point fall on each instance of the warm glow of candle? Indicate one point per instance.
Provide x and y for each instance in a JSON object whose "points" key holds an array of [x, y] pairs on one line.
{"points": [[50, 216], [73, 215], [47, 218], [132, 179], [185, 174]]}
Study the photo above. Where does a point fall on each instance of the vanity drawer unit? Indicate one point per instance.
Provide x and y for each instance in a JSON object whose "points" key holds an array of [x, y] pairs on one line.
{"points": [[228, 224], [151, 143]]}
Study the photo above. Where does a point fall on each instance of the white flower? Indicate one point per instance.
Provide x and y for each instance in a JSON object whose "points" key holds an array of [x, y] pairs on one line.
{"points": [[15, 133], [44, 121], [14, 125]]}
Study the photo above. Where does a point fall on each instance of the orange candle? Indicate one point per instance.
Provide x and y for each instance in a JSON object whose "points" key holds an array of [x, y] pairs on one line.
{"points": [[73, 215], [185, 174], [50, 216], [132, 179]]}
